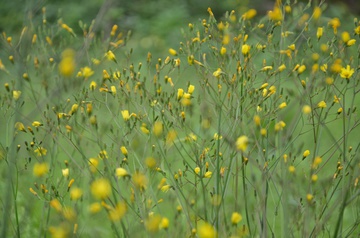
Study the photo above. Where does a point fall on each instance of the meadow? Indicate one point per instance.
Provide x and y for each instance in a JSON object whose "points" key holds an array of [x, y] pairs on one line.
{"points": [[246, 126]]}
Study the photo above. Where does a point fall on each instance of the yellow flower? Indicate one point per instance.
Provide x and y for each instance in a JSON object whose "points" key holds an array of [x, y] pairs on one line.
{"points": [[267, 68], [306, 153], [306, 109], [158, 128], [16, 94], [165, 188], [115, 214], [152, 223], [150, 162], [222, 50], [301, 69], [206, 230], [180, 93], [124, 150], [236, 218], [40, 151], [282, 105], [93, 85], [317, 13], [291, 169], [36, 124], [121, 172], [309, 197], [275, 14], [93, 164], [101, 188], [67, 28], [65, 172], [317, 161], [86, 72], [144, 129], [208, 174], [314, 178], [251, 13], [110, 56], [346, 72], [345, 36], [76, 193], [319, 32], [242, 143], [280, 125], [125, 115], [94, 207], [245, 49], [67, 63], [282, 67], [61, 231], [335, 24], [217, 73], [113, 89], [197, 170], [357, 30], [172, 52], [40, 169], [20, 126], [164, 224], [321, 104], [191, 89], [140, 181], [351, 42], [292, 47]]}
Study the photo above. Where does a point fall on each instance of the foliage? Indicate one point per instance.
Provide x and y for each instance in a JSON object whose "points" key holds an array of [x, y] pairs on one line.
{"points": [[247, 126]]}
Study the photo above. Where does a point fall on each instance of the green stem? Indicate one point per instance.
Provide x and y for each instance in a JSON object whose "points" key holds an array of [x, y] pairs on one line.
{"points": [[245, 196]]}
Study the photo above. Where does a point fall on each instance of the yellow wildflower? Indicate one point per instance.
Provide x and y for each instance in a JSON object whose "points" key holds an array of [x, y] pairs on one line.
{"points": [[206, 230], [217, 73], [191, 89], [236, 218], [40, 151], [351, 42], [121, 172], [251, 13], [335, 24], [173, 52], [40, 169], [110, 56], [346, 72], [93, 164], [282, 105], [242, 143], [321, 104], [319, 32], [317, 13], [245, 49], [164, 224], [139, 180], [36, 124], [101, 188], [306, 153], [208, 174], [275, 14], [67, 63], [16, 94], [115, 214], [158, 128], [86, 72], [306, 109], [76, 193]]}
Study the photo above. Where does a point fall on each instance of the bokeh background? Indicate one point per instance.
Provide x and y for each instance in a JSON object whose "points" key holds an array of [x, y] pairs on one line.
{"points": [[155, 24]]}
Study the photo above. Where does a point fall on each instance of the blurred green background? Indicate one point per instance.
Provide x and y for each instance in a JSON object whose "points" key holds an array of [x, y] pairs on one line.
{"points": [[155, 24]]}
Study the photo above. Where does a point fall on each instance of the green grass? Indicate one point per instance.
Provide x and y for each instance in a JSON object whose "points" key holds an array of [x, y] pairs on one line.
{"points": [[195, 158]]}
